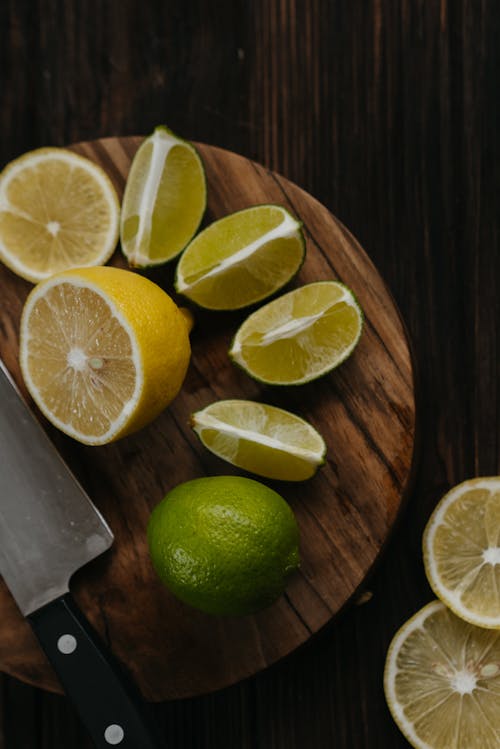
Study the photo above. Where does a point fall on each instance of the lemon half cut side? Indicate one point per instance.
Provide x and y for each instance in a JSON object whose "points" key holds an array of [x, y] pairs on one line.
{"points": [[442, 681], [461, 545], [58, 210], [103, 351]]}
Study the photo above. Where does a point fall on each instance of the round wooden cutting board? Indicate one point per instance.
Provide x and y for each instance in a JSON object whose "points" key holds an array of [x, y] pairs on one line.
{"points": [[365, 411]]}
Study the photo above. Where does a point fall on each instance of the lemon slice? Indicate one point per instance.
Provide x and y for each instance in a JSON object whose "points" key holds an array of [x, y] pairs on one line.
{"points": [[299, 336], [58, 210], [442, 681], [462, 551], [164, 201], [242, 258], [262, 439], [102, 351]]}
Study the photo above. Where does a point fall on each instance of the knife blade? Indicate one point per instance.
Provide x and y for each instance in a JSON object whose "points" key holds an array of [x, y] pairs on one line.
{"points": [[49, 529]]}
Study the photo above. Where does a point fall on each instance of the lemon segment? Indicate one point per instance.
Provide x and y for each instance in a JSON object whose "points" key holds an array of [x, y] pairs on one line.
{"points": [[102, 351], [300, 336], [442, 681], [263, 439], [242, 258], [461, 546], [164, 200], [58, 210]]}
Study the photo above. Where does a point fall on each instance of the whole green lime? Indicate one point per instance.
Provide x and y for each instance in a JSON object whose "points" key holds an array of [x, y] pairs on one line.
{"points": [[224, 544]]}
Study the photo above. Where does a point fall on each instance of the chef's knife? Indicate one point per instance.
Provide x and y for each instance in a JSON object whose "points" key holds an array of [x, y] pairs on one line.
{"points": [[49, 528]]}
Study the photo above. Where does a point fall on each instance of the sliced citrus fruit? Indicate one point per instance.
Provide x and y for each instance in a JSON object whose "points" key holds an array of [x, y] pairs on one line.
{"points": [[102, 351], [442, 681], [58, 210], [462, 551], [299, 336], [263, 439], [164, 201], [241, 258]]}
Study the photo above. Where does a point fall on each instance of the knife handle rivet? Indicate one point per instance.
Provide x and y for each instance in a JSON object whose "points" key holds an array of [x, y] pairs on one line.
{"points": [[114, 734], [66, 644]]}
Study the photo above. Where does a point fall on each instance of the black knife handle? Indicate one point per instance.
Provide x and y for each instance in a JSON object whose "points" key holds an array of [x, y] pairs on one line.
{"points": [[105, 700]]}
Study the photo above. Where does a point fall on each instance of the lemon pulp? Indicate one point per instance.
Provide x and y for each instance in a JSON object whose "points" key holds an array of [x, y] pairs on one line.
{"points": [[442, 681], [102, 351], [58, 210], [462, 550]]}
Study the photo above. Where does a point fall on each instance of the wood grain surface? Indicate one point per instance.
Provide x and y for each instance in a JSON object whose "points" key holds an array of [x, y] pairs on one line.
{"points": [[388, 112], [365, 411]]}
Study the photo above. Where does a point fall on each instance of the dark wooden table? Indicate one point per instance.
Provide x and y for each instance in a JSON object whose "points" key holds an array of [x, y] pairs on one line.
{"points": [[387, 111]]}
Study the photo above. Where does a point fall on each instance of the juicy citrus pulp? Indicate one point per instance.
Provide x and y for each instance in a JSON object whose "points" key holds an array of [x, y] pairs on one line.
{"points": [[442, 681], [224, 544], [260, 438], [241, 258], [299, 336], [102, 351], [462, 551], [164, 200], [58, 210]]}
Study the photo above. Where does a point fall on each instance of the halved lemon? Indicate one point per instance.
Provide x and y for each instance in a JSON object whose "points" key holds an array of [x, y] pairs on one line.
{"points": [[263, 439], [241, 258], [462, 551], [102, 351], [442, 681], [58, 210], [299, 336], [164, 200]]}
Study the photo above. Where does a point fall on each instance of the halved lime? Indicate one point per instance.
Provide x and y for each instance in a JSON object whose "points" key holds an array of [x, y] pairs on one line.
{"points": [[299, 336], [164, 201], [263, 439], [241, 258]]}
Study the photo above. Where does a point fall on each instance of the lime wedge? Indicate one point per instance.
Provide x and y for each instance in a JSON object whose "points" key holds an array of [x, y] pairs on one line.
{"points": [[241, 258], [263, 439], [299, 336], [164, 201]]}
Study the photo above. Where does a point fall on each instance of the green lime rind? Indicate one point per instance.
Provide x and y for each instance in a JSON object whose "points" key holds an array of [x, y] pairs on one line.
{"points": [[313, 377], [259, 297], [226, 545], [141, 260]]}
